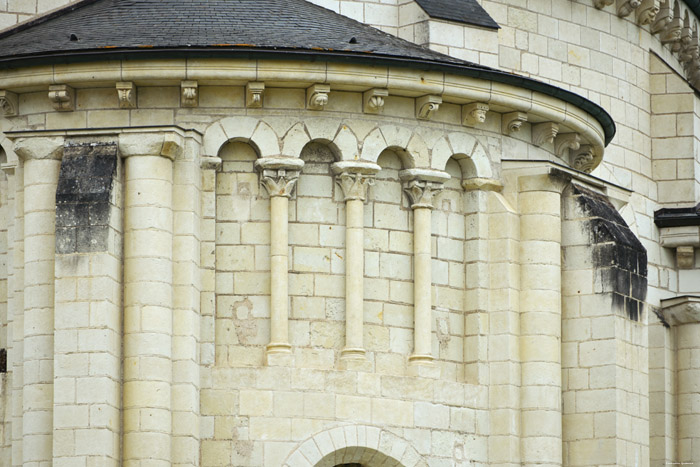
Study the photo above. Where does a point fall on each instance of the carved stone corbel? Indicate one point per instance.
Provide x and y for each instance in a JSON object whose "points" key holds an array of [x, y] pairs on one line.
{"points": [[565, 142], [9, 103], [426, 106], [625, 7], [688, 48], [600, 4], [254, 93], [513, 121], [62, 97], [189, 96], [544, 133], [647, 11], [126, 92], [583, 159], [373, 100], [474, 113], [672, 32], [317, 96], [663, 17]]}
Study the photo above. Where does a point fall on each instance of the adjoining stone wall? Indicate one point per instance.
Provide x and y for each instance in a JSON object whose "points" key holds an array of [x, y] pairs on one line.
{"points": [[604, 335], [16, 11]]}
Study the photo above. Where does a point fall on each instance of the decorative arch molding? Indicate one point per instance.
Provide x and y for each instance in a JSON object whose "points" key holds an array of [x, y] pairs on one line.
{"points": [[11, 158], [251, 130], [363, 444], [411, 146], [462, 143]]}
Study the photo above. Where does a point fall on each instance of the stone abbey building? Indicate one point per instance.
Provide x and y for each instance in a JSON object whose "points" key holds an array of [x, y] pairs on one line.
{"points": [[349, 233]]}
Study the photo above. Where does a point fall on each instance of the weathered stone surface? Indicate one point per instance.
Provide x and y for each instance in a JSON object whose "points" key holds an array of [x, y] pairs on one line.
{"points": [[83, 197]]}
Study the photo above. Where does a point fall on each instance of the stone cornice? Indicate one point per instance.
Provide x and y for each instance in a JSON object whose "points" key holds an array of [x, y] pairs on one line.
{"points": [[452, 84]]}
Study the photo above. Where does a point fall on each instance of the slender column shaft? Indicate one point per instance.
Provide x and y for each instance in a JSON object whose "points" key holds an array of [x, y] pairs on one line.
{"points": [[421, 187], [422, 281], [279, 267], [354, 273], [279, 176], [148, 302]]}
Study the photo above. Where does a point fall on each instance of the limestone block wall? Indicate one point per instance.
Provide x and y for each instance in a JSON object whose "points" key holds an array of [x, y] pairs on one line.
{"points": [[201, 383], [16, 11]]}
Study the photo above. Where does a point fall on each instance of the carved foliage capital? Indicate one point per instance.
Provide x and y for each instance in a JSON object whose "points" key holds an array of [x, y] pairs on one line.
{"points": [[421, 193], [62, 97], [354, 185], [279, 182], [9, 104]]}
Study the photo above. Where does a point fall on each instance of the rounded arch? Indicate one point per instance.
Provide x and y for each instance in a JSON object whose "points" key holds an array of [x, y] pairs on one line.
{"points": [[6, 147], [408, 145], [338, 136], [360, 444], [467, 150], [250, 130]]}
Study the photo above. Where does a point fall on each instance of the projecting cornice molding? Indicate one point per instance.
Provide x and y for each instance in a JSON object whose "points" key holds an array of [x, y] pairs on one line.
{"points": [[550, 117]]}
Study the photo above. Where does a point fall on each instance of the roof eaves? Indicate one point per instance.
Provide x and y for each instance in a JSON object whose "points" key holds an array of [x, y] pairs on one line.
{"points": [[464, 68]]}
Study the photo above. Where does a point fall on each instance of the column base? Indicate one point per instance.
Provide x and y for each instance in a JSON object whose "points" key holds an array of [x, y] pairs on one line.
{"points": [[354, 359], [423, 366], [279, 354]]}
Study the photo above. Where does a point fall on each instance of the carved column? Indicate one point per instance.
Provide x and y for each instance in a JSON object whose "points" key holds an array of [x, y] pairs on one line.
{"points": [[421, 186], [41, 167], [148, 296], [354, 178], [279, 176]]}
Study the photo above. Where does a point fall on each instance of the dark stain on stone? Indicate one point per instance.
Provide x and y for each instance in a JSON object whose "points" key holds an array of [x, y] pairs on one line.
{"points": [[619, 257], [3, 360], [83, 197]]}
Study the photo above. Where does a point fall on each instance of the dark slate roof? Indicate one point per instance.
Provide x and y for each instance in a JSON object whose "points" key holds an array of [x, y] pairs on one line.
{"points": [[460, 11], [158, 24]]}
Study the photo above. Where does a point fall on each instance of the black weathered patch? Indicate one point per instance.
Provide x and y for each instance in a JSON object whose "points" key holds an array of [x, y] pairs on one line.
{"points": [[83, 197], [619, 257], [3, 360]]}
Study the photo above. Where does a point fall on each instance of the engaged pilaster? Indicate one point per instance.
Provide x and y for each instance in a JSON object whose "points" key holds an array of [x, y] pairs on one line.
{"points": [[421, 185], [354, 178], [279, 176], [42, 161], [539, 204], [148, 295], [683, 314]]}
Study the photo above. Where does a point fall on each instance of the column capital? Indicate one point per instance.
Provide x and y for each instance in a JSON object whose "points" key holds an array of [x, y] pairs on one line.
{"points": [[149, 143], [279, 175], [354, 177], [39, 147], [422, 184], [210, 163], [681, 310]]}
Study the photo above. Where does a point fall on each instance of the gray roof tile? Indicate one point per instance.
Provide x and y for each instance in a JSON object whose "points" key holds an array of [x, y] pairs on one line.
{"points": [[215, 24], [460, 11]]}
